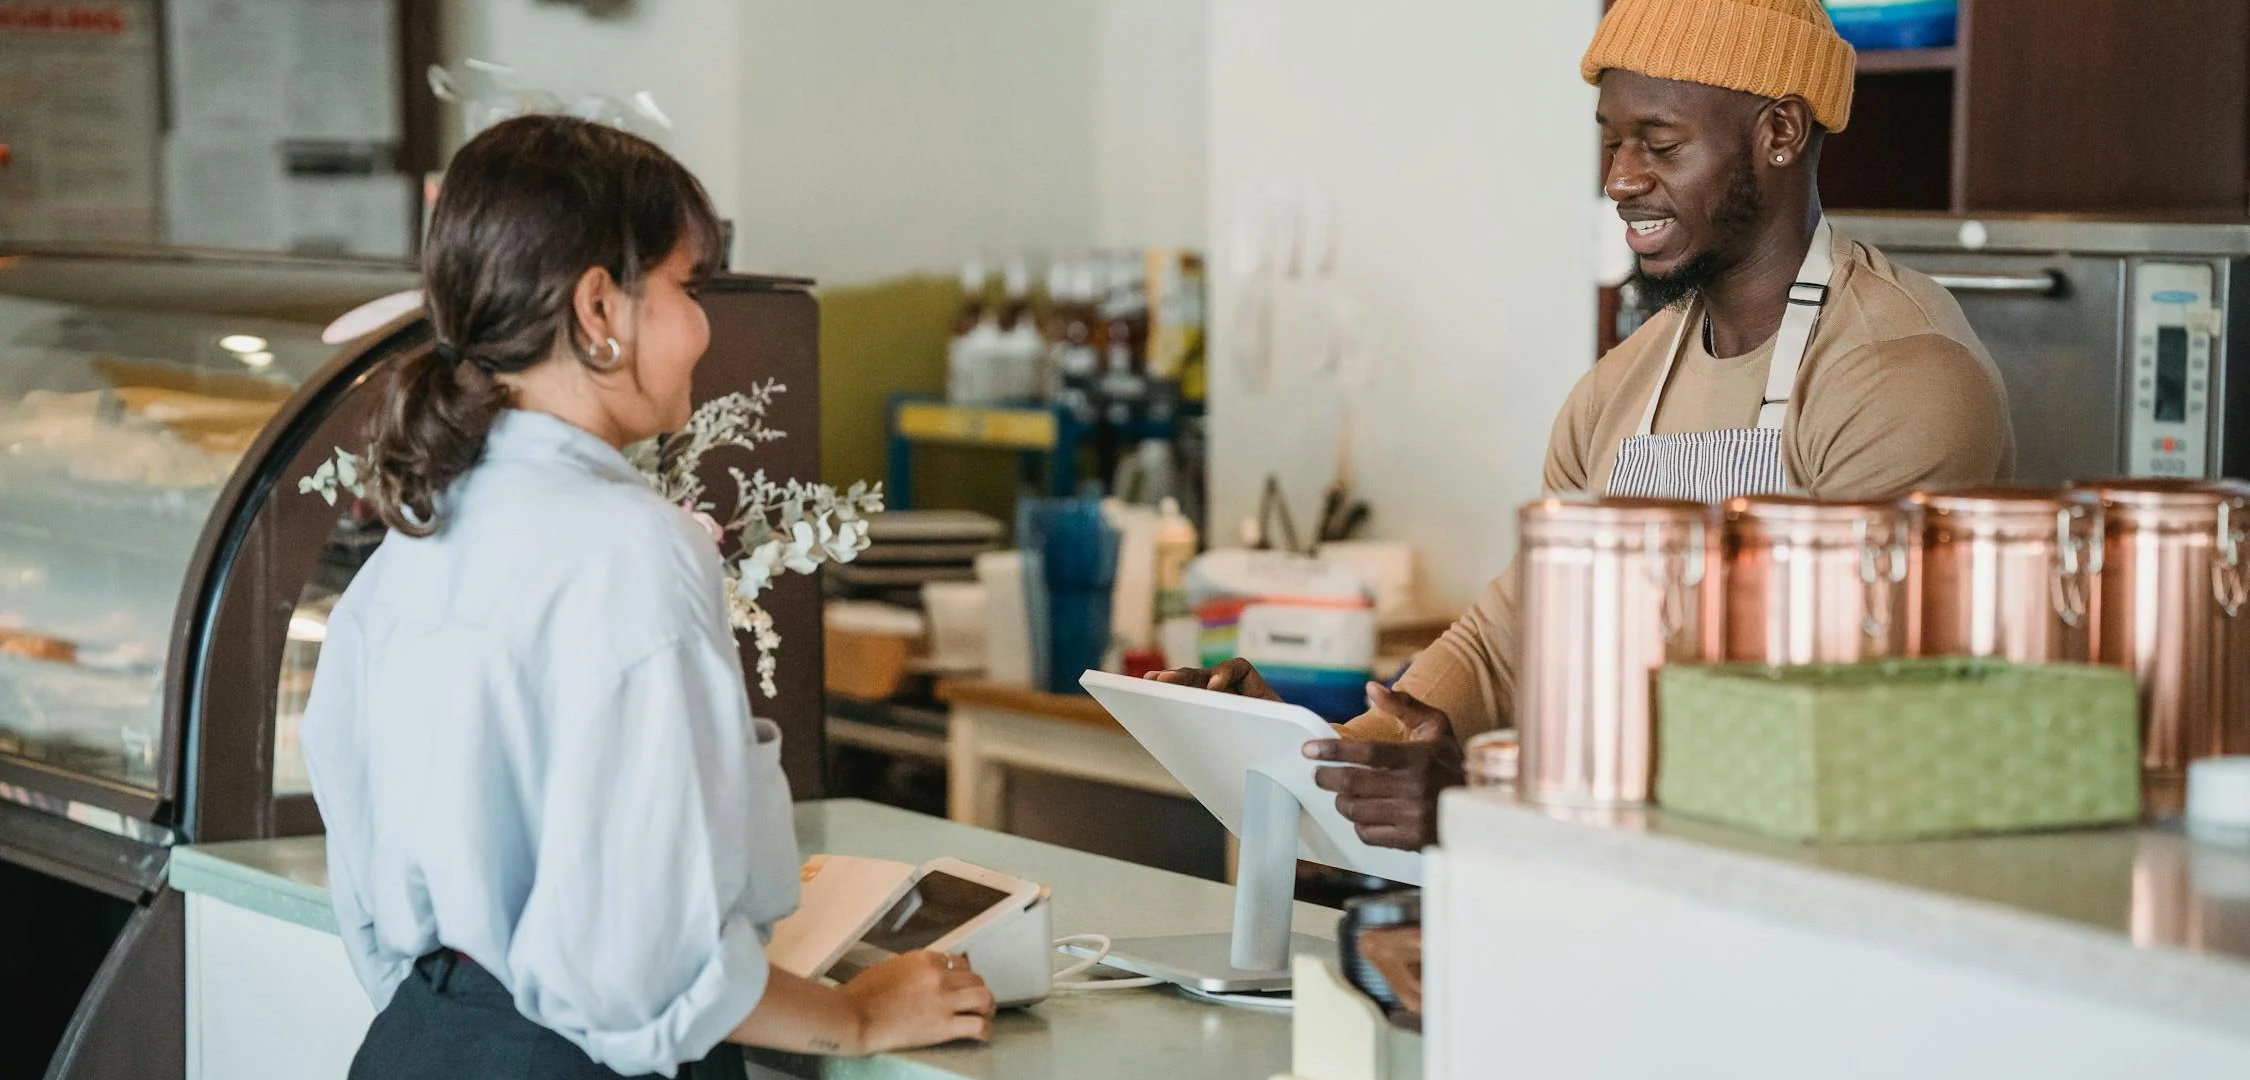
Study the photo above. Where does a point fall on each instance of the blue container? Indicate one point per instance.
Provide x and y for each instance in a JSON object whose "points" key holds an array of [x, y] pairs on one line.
{"points": [[1070, 564], [1335, 696], [1882, 25]]}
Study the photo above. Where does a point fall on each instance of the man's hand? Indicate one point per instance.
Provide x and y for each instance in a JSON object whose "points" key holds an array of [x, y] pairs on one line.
{"points": [[1396, 952], [1236, 676], [1391, 794]]}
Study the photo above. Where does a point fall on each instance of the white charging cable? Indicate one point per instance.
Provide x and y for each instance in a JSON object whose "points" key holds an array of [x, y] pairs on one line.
{"points": [[1100, 944]]}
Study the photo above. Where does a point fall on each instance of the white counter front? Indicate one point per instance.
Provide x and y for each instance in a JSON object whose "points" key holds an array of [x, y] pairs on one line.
{"points": [[270, 993], [1657, 946]]}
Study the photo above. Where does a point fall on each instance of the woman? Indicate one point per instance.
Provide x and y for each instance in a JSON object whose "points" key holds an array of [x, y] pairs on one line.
{"points": [[557, 838]]}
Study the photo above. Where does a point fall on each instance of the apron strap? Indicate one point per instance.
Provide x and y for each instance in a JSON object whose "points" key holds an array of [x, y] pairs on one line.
{"points": [[1688, 319], [1806, 299], [1807, 296]]}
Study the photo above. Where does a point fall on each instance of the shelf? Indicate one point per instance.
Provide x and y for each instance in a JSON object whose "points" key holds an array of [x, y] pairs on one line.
{"points": [[1891, 61], [1025, 428]]}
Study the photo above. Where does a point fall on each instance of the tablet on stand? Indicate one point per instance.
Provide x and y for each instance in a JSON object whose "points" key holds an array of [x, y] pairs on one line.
{"points": [[1243, 759]]}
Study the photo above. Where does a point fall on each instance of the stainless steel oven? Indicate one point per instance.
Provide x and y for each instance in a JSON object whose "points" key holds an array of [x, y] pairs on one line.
{"points": [[2125, 344]]}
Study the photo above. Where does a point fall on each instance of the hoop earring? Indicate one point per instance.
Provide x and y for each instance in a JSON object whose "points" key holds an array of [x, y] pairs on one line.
{"points": [[610, 361]]}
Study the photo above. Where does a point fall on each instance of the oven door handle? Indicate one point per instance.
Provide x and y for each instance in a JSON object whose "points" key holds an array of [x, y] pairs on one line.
{"points": [[2041, 283]]}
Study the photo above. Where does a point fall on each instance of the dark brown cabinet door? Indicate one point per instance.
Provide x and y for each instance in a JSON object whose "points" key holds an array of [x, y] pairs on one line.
{"points": [[2108, 106], [762, 331]]}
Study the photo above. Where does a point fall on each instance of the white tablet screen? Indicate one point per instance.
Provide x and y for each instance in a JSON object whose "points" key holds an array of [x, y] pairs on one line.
{"points": [[936, 906]]}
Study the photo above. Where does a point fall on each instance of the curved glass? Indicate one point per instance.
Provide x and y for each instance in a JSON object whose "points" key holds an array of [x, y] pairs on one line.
{"points": [[130, 388], [358, 531]]}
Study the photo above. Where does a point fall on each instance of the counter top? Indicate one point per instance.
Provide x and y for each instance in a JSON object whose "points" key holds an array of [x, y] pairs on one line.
{"points": [[287, 879], [1074, 708], [1126, 1033], [2141, 918]]}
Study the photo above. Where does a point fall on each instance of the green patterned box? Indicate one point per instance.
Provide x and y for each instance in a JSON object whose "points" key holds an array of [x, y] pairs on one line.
{"points": [[1899, 750]]}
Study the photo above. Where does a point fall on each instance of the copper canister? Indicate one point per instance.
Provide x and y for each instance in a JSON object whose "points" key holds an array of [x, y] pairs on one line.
{"points": [[1813, 582], [2170, 609], [1611, 590], [2010, 573], [2231, 587]]}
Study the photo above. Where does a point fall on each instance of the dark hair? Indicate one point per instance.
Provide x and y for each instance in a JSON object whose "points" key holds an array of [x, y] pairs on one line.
{"points": [[527, 207]]}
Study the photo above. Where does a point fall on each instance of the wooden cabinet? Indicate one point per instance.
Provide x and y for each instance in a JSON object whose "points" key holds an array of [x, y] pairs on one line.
{"points": [[2080, 106]]}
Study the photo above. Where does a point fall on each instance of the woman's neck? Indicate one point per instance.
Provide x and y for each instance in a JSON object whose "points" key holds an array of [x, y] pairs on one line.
{"points": [[564, 394]]}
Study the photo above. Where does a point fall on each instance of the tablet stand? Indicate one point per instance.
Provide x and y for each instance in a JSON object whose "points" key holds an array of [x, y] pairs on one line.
{"points": [[1255, 957], [1243, 758]]}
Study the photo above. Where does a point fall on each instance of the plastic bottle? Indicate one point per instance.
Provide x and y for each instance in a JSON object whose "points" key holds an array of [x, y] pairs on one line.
{"points": [[1124, 311], [1021, 347], [1068, 326], [1175, 549], [970, 356], [1076, 360]]}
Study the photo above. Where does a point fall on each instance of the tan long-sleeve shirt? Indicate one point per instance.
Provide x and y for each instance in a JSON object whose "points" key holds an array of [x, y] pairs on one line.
{"points": [[1895, 395]]}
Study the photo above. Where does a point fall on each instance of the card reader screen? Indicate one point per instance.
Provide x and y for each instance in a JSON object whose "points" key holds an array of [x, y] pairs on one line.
{"points": [[2171, 374], [936, 906]]}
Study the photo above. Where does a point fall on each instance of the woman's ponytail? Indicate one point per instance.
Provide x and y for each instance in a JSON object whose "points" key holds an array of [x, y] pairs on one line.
{"points": [[432, 429]]}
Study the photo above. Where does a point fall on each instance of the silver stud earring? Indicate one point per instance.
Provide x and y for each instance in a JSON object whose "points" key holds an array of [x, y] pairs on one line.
{"points": [[1781, 159]]}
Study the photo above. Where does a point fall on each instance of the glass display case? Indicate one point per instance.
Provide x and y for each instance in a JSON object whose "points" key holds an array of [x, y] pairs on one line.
{"points": [[143, 396], [165, 585], [131, 389]]}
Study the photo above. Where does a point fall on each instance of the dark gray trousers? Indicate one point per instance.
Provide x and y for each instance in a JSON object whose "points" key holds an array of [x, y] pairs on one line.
{"points": [[451, 1020]]}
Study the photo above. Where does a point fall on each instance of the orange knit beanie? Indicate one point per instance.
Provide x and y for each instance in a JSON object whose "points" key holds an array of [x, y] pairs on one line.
{"points": [[1770, 48]]}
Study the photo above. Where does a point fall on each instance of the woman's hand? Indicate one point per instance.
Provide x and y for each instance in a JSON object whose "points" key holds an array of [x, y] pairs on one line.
{"points": [[1236, 676], [920, 999]]}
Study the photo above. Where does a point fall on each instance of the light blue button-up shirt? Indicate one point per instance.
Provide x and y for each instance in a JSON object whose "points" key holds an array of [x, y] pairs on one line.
{"points": [[530, 741]]}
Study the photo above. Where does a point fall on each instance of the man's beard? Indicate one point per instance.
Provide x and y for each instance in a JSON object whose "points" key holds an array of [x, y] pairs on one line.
{"points": [[1739, 207]]}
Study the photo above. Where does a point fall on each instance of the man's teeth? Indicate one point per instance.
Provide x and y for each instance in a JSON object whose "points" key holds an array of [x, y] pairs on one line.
{"points": [[1646, 227]]}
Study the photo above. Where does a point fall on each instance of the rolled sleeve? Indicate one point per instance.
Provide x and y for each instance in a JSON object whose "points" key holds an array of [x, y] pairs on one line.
{"points": [[1469, 673], [632, 942], [715, 1002]]}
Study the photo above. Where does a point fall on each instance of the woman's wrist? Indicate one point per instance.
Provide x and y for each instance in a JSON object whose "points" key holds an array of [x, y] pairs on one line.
{"points": [[857, 1023], [804, 1016], [844, 1024]]}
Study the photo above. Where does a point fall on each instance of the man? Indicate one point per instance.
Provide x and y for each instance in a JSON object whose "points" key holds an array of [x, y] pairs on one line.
{"points": [[1789, 357]]}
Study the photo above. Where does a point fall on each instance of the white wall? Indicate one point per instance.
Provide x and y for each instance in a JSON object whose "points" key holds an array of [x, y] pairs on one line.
{"points": [[881, 137], [854, 140], [887, 136], [1152, 91], [682, 51], [1457, 146]]}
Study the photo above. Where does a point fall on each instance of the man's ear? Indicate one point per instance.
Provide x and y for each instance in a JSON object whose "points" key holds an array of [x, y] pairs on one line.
{"points": [[1785, 132]]}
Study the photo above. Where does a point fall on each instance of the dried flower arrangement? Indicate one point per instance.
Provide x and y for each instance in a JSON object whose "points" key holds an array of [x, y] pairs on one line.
{"points": [[773, 528]]}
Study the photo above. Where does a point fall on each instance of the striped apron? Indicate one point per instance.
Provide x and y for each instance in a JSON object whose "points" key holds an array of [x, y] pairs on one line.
{"points": [[1714, 466]]}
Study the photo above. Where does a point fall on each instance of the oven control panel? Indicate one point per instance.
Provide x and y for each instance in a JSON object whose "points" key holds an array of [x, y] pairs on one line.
{"points": [[2173, 345]]}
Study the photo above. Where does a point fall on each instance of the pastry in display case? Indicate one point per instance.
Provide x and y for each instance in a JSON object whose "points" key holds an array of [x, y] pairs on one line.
{"points": [[131, 390], [109, 464], [165, 586]]}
